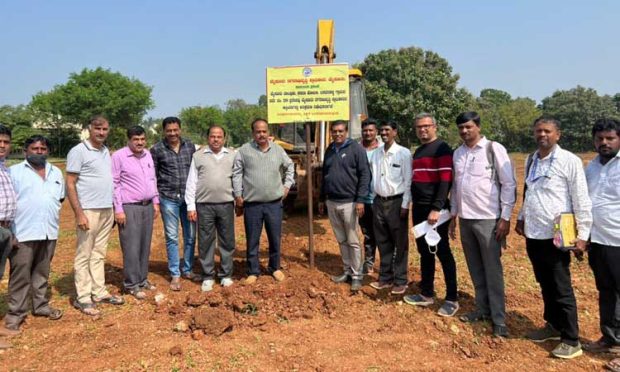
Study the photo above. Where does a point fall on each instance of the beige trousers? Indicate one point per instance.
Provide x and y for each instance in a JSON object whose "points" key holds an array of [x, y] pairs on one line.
{"points": [[90, 255]]}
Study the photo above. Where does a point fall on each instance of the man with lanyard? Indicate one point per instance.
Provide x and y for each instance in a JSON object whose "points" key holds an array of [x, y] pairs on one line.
{"points": [[370, 142], [483, 196], [431, 181], [603, 175], [40, 192], [556, 184], [136, 204], [262, 176], [346, 177], [172, 157], [210, 203], [8, 204], [89, 190], [391, 181]]}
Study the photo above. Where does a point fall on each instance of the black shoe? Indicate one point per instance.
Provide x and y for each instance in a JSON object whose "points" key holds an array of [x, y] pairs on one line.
{"points": [[356, 285], [344, 278], [474, 316], [500, 331]]}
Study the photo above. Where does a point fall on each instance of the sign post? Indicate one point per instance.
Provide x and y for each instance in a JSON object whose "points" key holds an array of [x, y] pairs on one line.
{"points": [[310, 93]]}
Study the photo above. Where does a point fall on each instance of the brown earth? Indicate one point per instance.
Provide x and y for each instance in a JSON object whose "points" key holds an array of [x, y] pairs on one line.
{"points": [[305, 323]]}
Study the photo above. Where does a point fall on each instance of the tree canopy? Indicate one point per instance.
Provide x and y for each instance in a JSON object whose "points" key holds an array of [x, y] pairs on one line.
{"points": [[402, 83], [577, 109], [507, 120], [122, 100]]}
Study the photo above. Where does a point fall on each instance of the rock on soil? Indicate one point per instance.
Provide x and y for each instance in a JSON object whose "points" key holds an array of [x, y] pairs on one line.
{"points": [[213, 320]]}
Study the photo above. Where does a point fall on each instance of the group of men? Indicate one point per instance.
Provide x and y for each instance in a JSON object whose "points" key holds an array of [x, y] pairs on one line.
{"points": [[376, 191], [373, 184], [129, 188]]}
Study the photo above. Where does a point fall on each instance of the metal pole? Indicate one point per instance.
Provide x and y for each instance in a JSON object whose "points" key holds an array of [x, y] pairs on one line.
{"points": [[321, 142], [310, 202]]}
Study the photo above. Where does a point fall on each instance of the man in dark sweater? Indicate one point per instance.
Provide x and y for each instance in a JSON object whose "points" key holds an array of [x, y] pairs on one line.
{"points": [[432, 178], [346, 177]]}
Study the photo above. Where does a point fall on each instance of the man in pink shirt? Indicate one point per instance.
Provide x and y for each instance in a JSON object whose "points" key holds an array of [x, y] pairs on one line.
{"points": [[483, 196], [136, 203]]}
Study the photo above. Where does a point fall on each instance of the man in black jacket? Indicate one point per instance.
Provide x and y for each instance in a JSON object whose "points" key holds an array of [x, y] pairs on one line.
{"points": [[346, 178]]}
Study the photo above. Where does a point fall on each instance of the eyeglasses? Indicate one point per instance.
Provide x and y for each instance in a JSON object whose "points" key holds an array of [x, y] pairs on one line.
{"points": [[423, 127]]}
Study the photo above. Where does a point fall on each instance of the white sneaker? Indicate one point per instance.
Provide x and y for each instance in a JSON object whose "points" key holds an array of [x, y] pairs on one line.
{"points": [[207, 285], [226, 282]]}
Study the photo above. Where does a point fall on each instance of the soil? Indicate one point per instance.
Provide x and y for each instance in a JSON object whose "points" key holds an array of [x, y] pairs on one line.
{"points": [[304, 323]]}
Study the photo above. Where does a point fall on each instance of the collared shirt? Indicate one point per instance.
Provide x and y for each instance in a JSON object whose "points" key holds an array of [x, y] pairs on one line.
{"points": [[94, 169], [192, 178], [475, 193], [604, 187], [38, 201], [8, 199], [556, 184], [261, 175], [134, 178], [172, 168], [391, 172], [369, 151]]}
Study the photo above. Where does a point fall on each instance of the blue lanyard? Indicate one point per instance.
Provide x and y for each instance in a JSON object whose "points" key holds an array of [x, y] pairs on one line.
{"points": [[531, 177]]}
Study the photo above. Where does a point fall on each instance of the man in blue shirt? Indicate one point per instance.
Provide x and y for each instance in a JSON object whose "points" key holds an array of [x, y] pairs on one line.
{"points": [[40, 191]]}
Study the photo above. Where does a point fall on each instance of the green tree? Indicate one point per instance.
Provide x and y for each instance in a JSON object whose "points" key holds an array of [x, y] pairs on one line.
{"points": [[577, 109], [122, 100], [197, 120], [152, 126], [402, 83], [238, 117], [19, 119], [507, 120]]}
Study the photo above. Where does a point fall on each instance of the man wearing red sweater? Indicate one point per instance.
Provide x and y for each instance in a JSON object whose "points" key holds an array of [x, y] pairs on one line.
{"points": [[431, 181]]}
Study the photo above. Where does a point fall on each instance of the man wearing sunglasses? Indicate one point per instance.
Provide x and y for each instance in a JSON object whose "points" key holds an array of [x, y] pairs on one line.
{"points": [[555, 183]]}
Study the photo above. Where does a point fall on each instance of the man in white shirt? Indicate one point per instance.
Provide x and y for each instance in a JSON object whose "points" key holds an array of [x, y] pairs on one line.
{"points": [[40, 191], [210, 204], [391, 181], [603, 175], [556, 184], [483, 196]]}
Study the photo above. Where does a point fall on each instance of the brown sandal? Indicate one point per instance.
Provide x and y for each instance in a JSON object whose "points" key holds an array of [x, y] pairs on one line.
{"points": [[175, 284], [88, 309], [613, 365]]}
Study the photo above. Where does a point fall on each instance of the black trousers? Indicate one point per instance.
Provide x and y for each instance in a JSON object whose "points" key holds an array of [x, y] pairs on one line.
{"points": [[605, 263], [135, 237], [552, 272], [427, 259], [6, 243], [368, 230], [216, 220], [28, 280], [392, 235]]}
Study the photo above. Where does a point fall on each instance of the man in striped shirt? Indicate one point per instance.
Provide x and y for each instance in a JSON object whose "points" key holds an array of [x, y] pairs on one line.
{"points": [[431, 181], [8, 205], [262, 176]]}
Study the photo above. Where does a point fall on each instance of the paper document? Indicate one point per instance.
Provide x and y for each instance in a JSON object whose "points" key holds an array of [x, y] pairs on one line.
{"points": [[420, 229]]}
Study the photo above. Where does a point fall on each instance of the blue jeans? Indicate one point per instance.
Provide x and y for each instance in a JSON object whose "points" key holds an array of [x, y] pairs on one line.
{"points": [[254, 216], [171, 211]]}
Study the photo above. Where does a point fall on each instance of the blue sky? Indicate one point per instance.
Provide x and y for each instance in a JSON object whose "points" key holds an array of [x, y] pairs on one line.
{"points": [[207, 52]]}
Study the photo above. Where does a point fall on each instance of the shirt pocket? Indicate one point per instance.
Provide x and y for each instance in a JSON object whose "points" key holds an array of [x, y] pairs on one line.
{"points": [[611, 185], [395, 171], [480, 169]]}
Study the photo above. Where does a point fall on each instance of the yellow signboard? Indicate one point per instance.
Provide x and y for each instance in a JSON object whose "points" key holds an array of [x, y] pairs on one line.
{"points": [[308, 93]]}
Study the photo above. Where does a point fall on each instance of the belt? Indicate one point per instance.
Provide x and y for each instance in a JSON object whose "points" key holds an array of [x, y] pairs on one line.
{"points": [[386, 198], [5, 224], [143, 202]]}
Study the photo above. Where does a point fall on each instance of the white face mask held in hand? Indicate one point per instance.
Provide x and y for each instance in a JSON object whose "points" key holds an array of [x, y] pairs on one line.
{"points": [[432, 238]]}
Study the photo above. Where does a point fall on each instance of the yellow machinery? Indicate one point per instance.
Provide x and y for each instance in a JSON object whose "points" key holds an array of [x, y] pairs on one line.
{"points": [[292, 137]]}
